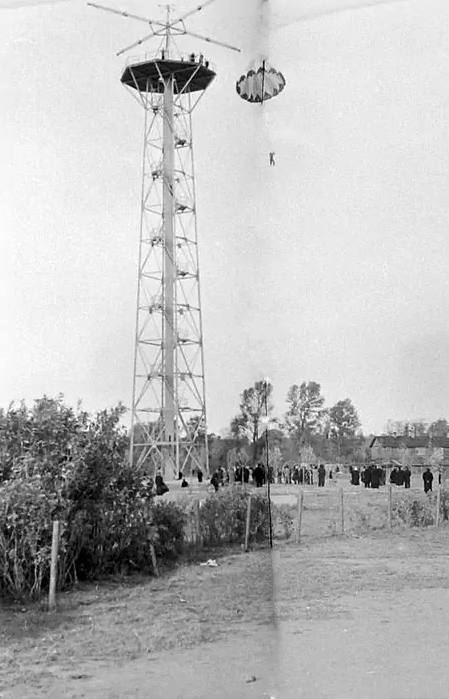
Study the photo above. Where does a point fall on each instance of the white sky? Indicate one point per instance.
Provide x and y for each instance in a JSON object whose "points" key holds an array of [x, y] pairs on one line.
{"points": [[332, 266]]}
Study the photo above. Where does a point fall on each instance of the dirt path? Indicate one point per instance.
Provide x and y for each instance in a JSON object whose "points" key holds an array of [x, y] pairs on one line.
{"points": [[200, 632], [357, 617], [368, 619], [215, 670]]}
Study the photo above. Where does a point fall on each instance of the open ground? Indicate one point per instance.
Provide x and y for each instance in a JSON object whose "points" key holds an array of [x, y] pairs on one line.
{"points": [[363, 615]]}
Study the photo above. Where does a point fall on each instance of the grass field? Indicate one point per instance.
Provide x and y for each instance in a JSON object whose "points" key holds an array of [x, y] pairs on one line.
{"points": [[118, 623], [364, 509], [363, 615]]}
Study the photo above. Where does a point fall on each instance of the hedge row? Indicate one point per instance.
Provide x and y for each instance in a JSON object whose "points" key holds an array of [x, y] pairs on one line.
{"points": [[114, 537]]}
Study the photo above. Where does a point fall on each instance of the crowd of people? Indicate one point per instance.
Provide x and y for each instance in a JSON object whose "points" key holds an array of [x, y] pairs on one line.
{"points": [[371, 476]]}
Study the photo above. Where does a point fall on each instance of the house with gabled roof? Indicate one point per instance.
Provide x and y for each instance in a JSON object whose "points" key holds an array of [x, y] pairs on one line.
{"points": [[418, 450]]}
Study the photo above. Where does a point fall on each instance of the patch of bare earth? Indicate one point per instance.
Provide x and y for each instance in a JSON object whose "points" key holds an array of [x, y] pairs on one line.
{"points": [[178, 636], [365, 617]]}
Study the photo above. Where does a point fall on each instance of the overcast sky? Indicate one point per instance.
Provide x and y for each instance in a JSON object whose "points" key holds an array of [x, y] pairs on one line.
{"points": [[332, 266]]}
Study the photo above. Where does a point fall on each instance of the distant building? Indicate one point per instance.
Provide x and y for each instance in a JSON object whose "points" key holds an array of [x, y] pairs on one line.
{"points": [[417, 450]]}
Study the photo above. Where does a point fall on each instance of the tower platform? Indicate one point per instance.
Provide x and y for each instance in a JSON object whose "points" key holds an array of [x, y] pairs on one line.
{"points": [[149, 76]]}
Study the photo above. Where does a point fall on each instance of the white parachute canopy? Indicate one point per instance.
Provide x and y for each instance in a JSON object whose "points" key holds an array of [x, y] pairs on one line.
{"points": [[261, 82]]}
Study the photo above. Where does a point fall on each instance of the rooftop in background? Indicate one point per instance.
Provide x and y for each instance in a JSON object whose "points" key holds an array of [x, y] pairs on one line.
{"points": [[146, 73], [411, 442]]}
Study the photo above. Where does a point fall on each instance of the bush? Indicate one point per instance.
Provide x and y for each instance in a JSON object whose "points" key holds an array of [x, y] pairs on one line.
{"points": [[415, 511], [169, 521], [58, 463], [223, 517], [25, 539]]}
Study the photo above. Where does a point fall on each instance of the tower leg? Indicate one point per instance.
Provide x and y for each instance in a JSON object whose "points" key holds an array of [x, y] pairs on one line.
{"points": [[169, 396]]}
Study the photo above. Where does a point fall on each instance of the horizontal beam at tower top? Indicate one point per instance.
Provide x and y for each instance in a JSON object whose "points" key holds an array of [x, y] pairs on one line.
{"points": [[151, 75]]}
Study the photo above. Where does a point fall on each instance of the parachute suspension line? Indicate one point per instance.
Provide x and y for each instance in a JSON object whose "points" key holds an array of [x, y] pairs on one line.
{"points": [[263, 82]]}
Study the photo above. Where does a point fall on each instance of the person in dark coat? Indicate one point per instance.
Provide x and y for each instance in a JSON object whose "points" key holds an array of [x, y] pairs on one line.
{"points": [[355, 476], [199, 475], [400, 476], [215, 480], [427, 477], [367, 476], [376, 475], [321, 476], [259, 476], [245, 474], [407, 476], [393, 475], [161, 487]]}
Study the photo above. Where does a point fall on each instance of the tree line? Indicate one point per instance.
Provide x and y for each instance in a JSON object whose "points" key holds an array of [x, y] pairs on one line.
{"points": [[308, 430], [417, 428]]}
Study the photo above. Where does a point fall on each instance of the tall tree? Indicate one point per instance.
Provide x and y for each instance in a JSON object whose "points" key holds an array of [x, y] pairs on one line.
{"points": [[344, 421], [439, 428], [416, 428], [305, 410], [254, 402], [307, 455]]}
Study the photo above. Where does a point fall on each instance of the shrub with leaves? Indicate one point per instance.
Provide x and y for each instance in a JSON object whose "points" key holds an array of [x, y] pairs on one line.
{"points": [[415, 510], [25, 538], [169, 521], [59, 463], [223, 517]]}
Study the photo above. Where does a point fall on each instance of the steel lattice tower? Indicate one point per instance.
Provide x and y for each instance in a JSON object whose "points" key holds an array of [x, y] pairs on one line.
{"points": [[169, 422]]}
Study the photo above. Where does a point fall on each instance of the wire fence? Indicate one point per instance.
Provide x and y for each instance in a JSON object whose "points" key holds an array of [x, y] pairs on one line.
{"points": [[333, 511]]}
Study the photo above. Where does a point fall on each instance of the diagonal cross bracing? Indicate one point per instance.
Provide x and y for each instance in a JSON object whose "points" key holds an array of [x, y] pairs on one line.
{"points": [[169, 406]]}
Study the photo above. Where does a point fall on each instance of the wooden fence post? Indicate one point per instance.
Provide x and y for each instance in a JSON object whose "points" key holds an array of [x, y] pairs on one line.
{"points": [[342, 511], [299, 515], [437, 514], [54, 566], [197, 524], [154, 559], [390, 504], [248, 523]]}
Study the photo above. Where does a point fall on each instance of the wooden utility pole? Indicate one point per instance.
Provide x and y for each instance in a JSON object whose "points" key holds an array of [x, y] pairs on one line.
{"points": [[54, 566], [299, 515]]}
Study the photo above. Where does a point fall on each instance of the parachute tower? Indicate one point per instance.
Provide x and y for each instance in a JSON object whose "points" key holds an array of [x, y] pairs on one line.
{"points": [[168, 423]]}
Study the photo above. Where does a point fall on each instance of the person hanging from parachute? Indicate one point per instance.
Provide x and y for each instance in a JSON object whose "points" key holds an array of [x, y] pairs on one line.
{"points": [[260, 83]]}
